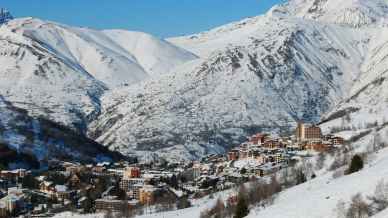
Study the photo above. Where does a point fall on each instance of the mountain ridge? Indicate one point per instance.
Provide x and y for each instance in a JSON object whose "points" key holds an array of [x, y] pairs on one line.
{"points": [[263, 73], [288, 66]]}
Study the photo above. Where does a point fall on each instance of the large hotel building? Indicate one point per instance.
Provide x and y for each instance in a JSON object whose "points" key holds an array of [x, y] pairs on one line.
{"points": [[308, 133]]}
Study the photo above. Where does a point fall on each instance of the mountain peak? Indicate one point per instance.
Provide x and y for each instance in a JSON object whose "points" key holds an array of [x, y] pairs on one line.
{"points": [[5, 16], [355, 13]]}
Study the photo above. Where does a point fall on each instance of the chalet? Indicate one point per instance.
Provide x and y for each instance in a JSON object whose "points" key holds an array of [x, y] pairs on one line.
{"points": [[128, 184], [131, 172], [73, 169], [98, 169], [13, 203], [267, 169], [258, 138], [116, 172], [318, 146], [74, 180], [14, 174], [147, 194], [47, 187], [62, 192], [233, 155], [272, 144], [337, 141], [243, 154]]}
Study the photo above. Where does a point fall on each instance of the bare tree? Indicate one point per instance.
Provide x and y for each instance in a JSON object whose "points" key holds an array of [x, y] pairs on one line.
{"points": [[217, 211], [380, 197], [358, 208], [320, 161]]}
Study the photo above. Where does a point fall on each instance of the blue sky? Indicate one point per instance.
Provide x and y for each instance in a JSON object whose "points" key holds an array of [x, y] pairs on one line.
{"points": [[162, 18]]}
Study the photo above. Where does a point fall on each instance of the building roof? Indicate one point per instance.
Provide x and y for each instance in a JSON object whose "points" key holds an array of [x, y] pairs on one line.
{"points": [[61, 188], [47, 183], [11, 198], [149, 188]]}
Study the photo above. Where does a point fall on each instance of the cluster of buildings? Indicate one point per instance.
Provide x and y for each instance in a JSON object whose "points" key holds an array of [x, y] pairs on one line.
{"points": [[310, 137], [266, 154], [85, 188], [12, 197], [125, 186]]}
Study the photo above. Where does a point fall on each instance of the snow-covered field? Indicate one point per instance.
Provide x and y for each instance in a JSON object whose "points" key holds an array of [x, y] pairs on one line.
{"points": [[75, 215]]}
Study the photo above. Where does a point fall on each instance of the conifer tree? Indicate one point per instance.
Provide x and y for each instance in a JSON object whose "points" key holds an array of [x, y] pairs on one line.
{"points": [[241, 208], [356, 164]]}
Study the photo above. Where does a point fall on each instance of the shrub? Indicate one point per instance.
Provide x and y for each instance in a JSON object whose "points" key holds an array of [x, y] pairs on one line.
{"points": [[379, 200]]}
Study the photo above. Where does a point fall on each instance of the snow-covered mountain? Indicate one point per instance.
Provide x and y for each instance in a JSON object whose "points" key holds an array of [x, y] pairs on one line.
{"points": [[60, 72], [262, 73], [36, 79], [312, 60], [356, 13], [64, 70], [114, 57]]}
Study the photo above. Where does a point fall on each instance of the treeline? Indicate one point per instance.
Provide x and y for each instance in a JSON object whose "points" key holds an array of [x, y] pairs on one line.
{"points": [[259, 193], [254, 194]]}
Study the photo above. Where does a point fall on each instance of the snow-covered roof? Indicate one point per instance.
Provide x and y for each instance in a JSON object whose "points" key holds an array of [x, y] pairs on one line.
{"points": [[61, 188]]}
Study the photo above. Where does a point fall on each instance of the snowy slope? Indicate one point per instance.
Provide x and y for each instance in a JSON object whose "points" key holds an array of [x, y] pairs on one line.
{"points": [[308, 60], [60, 72], [204, 43], [382, 214], [156, 56], [303, 60], [34, 78], [353, 13], [264, 74], [114, 57], [321, 195], [356, 13]]}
